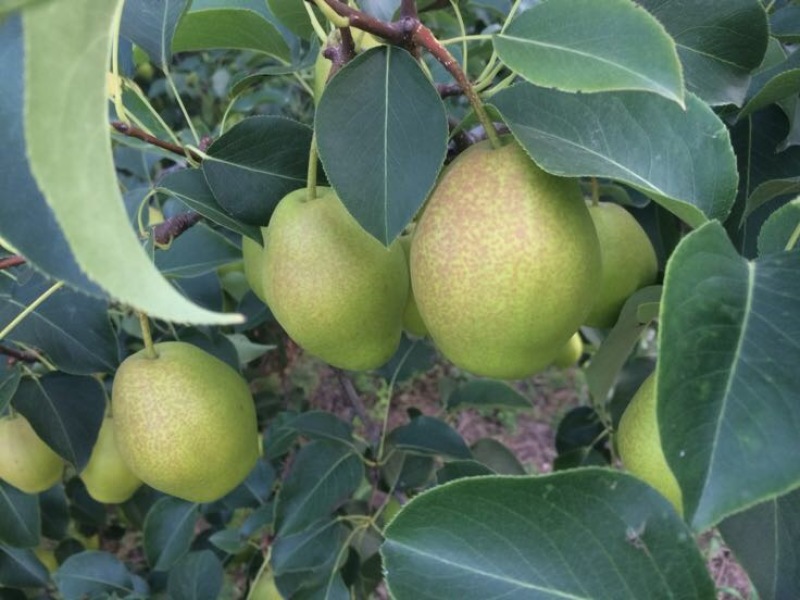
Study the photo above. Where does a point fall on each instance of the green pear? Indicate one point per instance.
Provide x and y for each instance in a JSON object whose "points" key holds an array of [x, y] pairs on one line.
{"points": [[185, 421], [107, 477], [253, 254], [26, 462], [503, 262], [570, 353], [264, 588], [628, 258], [412, 320], [639, 444], [335, 289]]}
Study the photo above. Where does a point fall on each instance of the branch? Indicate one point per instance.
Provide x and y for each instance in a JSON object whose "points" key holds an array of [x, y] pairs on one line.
{"points": [[171, 228], [398, 33], [342, 53], [19, 355], [408, 9], [134, 132], [11, 261], [446, 90]]}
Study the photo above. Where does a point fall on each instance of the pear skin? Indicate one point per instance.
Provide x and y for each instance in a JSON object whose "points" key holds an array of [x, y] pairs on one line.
{"points": [[26, 462], [412, 320], [253, 256], [570, 353], [107, 477]]}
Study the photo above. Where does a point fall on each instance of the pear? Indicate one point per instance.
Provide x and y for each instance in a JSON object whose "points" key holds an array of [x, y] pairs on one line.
{"points": [[335, 289], [253, 255], [412, 320], [503, 262], [185, 422], [639, 444], [107, 477], [264, 588], [628, 258], [26, 462], [570, 353]]}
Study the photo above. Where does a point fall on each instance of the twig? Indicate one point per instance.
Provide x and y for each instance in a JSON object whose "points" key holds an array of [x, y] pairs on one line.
{"points": [[342, 53], [137, 133], [408, 9], [19, 355], [398, 33], [11, 261], [358, 405], [446, 90], [171, 228]]}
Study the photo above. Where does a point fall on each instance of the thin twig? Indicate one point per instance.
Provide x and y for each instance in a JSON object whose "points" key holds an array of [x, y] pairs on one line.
{"points": [[171, 228], [358, 406], [139, 134], [19, 355], [408, 9], [446, 90], [11, 261]]}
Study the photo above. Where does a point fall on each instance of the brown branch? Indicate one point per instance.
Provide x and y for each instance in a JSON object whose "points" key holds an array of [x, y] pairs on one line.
{"points": [[342, 53], [11, 261], [447, 90], [398, 33], [370, 426], [408, 9], [19, 355], [171, 228], [134, 132]]}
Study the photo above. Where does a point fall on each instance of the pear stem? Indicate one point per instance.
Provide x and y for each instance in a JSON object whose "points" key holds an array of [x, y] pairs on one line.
{"points": [[595, 192], [149, 348], [312, 169]]}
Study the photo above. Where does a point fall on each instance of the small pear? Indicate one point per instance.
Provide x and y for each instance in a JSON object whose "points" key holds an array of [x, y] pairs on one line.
{"points": [[107, 477], [264, 588], [26, 462], [628, 258], [570, 353], [185, 421], [336, 290], [253, 255], [412, 320]]}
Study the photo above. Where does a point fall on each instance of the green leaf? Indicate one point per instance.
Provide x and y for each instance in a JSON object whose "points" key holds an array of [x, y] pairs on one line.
{"points": [[231, 24], [21, 569], [429, 435], [592, 46], [9, 382], [294, 16], [719, 43], [371, 138], [780, 229], [764, 540], [729, 337], [168, 532], [152, 25], [318, 424], [458, 469], [54, 506], [255, 489], [246, 350], [197, 251], [66, 411], [497, 457], [197, 576], [90, 574], [81, 187], [785, 23], [20, 524], [590, 533], [681, 159], [324, 475], [772, 85], [580, 427], [299, 64], [407, 471], [255, 164], [486, 393], [618, 345], [769, 190]]}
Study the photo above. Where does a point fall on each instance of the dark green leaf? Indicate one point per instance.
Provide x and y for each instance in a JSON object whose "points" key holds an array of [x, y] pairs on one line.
{"points": [[719, 43], [258, 519], [579, 46], [255, 164], [253, 79], [772, 85], [198, 251], [255, 490], [229, 541], [764, 540], [579, 457], [780, 229], [65, 411], [497, 457], [19, 517], [785, 23], [9, 381], [317, 424], [592, 533], [683, 159], [294, 16], [168, 532], [429, 435], [371, 137], [410, 358], [406, 471], [197, 576], [279, 438], [459, 469], [55, 512], [772, 189], [21, 569], [729, 337], [580, 427], [91, 574], [85, 510], [324, 474], [486, 393], [151, 26]]}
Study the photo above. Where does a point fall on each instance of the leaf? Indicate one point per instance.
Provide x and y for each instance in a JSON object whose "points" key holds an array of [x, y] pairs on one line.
{"points": [[515, 537], [294, 16], [618, 345], [81, 187], [772, 85], [579, 428], [592, 46], [497, 457], [21, 568], [69, 328], [54, 507], [19, 517], [407, 471], [168, 532], [371, 137], [255, 164], [429, 435], [380, 9], [9, 382], [729, 336], [89, 574], [681, 159], [410, 358], [197, 576], [151, 26], [780, 229], [785, 23], [764, 540], [771, 189], [719, 43], [317, 424], [197, 251], [66, 411], [300, 63], [324, 474], [231, 24], [486, 393], [246, 350], [255, 489], [458, 469]]}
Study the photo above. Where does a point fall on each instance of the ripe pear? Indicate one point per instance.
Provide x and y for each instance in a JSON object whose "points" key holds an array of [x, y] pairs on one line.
{"points": [[336, 290], [628, 258], [26, 462], [639, 444], [185, 421], [412, 320], [253, 255], [107, 477], [503, 262], [570, 353]]}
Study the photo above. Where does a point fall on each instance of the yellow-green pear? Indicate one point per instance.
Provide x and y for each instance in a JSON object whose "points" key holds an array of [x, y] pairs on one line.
{"points": [[185, 421], [570, 353], [26, 462], [264, 588], [628, 258], [412, 320], [336, 290], [253, 255], [639, 444], [503, 262], [107, 477]]}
